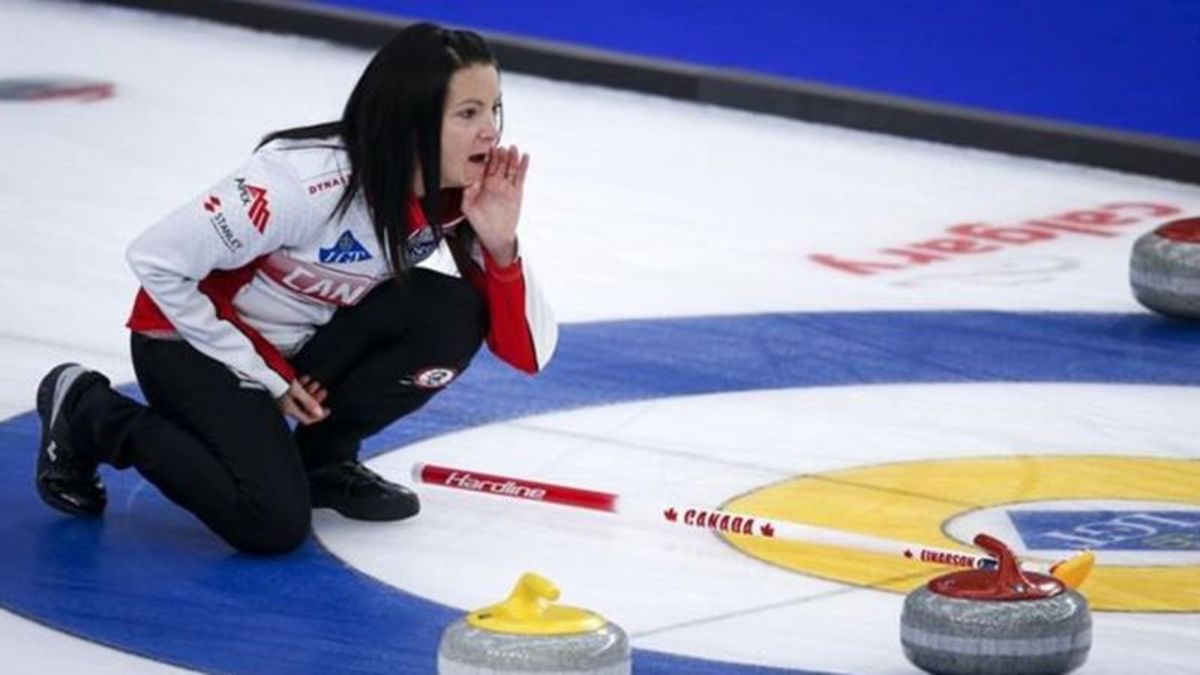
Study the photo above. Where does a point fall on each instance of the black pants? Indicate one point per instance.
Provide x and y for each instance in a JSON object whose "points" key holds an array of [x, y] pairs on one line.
{"points": [[224, 452]]}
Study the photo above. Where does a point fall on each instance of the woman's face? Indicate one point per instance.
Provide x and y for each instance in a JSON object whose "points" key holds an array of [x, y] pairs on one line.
{"points": [[471, 127]]}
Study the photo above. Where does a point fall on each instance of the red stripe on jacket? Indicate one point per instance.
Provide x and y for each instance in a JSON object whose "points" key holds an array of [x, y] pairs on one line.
{"points": [[220, 286]]}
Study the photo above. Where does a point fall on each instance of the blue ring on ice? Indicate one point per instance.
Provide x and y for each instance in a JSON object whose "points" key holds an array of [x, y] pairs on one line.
{"points": [[149, 579]]}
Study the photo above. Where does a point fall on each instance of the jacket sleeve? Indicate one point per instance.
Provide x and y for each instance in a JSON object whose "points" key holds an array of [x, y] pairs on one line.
{"points": [[521, 328], [255, 210]]}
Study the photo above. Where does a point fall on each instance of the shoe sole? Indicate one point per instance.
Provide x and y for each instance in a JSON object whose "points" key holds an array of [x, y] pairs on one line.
{"points": [[50, 393]]}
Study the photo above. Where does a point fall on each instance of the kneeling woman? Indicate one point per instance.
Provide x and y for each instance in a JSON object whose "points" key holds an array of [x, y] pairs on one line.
{"points": [[342, 276]]}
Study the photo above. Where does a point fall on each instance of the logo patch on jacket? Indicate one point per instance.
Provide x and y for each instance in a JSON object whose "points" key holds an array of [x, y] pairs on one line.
{"points": [[345, 250], [220, 225], [320, 186], [430, 378], [421, 244], [254, 198]]}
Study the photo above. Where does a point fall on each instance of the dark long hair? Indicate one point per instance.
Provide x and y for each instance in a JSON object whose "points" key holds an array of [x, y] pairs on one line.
{"points": [[393, 117]]}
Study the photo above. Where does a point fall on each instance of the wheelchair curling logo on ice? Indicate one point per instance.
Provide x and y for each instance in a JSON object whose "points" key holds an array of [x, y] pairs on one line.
{"points": [[1113, 530], [41, 89], [431, 378]]}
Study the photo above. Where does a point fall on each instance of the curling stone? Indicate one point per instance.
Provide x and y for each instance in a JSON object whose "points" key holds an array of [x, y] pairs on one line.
{"points": [[1165, 269], [528, 634], [995, 622]]}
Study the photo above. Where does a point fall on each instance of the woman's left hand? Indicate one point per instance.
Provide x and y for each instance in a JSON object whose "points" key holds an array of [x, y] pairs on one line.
{"points": [[493, 205]]}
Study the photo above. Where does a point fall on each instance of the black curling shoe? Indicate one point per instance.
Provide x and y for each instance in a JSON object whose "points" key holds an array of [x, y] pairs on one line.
{"points": [[356, 492], [66, 480]]}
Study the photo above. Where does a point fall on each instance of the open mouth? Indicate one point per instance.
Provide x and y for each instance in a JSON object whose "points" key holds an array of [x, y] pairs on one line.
{"points": [[478, 158]]}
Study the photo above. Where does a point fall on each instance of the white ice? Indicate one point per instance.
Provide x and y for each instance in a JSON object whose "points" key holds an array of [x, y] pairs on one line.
{"points": [[636, 207]]}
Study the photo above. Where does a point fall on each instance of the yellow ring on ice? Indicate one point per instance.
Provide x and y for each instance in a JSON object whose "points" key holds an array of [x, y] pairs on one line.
{"points": [[912, 501]]}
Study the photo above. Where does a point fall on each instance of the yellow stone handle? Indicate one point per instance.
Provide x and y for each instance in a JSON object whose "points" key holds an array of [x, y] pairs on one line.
{"points": [[531, 597], [530, 610]]}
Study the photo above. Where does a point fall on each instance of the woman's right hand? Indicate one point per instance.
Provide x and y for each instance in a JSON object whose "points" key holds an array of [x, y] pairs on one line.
{"points": [[302, 401]]}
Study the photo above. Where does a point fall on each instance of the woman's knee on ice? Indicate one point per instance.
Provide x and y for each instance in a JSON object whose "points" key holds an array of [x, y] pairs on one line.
{"points": [[271, 530]]}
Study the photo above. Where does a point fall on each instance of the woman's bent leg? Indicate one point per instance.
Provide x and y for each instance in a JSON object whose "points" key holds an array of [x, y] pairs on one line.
{"points": [[210, 442], [412, 341], [217, 446]]}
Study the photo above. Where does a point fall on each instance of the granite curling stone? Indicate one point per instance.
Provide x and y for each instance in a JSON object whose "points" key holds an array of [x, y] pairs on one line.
{"points": [[996, 622], [527, 633], [1165, 269]]}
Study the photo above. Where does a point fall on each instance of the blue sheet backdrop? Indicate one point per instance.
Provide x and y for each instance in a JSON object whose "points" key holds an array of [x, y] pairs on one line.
{"points": [[1127, 65]]}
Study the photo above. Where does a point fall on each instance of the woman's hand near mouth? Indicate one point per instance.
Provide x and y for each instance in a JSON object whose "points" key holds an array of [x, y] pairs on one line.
{"points": [[493, 203]]}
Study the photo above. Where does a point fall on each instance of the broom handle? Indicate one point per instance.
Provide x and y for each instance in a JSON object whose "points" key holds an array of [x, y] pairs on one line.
{"points": [[716, 520]]}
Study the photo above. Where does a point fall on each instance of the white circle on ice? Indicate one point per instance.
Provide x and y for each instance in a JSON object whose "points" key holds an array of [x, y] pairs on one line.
{"points": [[683, 591]]}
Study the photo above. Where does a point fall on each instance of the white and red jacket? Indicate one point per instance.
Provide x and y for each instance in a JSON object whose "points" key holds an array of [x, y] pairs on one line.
{"points": [[250, 269]]}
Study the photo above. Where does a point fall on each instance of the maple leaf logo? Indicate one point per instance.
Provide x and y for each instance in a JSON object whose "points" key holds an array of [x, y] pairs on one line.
{"points": [[670, 514], [768, 530]]}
